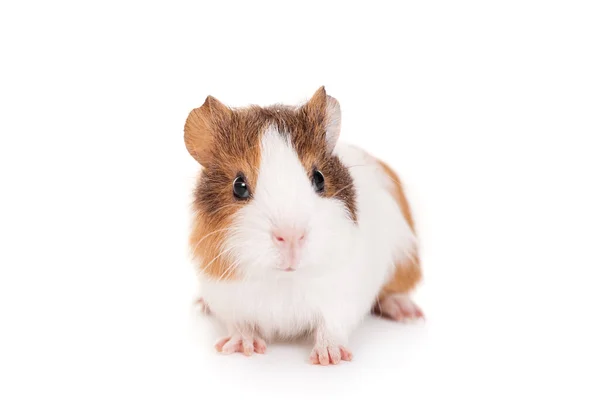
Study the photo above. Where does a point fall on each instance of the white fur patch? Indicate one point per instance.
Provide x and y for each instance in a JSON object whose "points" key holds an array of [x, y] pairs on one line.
{"points": [[342, 265]]}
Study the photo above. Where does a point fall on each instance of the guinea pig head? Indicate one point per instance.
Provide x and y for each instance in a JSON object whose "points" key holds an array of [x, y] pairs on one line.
{"points": [[272, 196]]}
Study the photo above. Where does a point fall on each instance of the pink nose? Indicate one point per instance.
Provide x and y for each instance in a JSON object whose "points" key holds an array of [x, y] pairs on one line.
{"points": [[288, 236], [289, 241]]}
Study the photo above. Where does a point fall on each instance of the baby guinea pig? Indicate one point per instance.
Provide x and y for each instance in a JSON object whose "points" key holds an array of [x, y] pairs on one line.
{"points": [[295, 232]]}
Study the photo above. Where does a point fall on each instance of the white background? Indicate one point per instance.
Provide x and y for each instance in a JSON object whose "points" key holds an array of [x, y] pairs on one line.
{"points": [[490, 111]]}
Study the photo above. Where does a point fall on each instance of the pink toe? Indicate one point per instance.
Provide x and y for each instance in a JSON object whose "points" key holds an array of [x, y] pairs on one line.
{"points": [[334, 356], [346, 354], [314, 358], [219, 345], [324, 357], [248, 348], [259, 346]]}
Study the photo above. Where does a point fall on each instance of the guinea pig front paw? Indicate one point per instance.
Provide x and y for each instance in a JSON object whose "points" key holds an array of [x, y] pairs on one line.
{"points": [[329, 354], [246, 344], [399, 307]]}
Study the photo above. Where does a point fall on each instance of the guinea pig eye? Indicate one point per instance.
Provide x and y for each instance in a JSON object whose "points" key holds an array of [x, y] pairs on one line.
{"points": [[240, 188], [318, 181]]}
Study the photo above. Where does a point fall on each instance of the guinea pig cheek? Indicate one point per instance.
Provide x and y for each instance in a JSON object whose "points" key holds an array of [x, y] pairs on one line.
{"points": [[251, 243]]}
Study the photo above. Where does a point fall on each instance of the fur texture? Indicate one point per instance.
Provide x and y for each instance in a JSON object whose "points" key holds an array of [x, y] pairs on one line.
{"points": [[359, 244]]}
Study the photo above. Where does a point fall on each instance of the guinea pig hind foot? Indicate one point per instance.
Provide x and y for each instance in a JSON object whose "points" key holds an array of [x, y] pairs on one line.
{"points": [[399, 307], [202, 306]]}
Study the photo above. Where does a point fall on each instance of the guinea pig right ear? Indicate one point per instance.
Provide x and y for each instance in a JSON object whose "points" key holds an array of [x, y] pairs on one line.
{"points": [[202, 126]]}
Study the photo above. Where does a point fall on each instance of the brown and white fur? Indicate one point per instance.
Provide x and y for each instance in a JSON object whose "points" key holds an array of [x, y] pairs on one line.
{"points": [[290, 259]]}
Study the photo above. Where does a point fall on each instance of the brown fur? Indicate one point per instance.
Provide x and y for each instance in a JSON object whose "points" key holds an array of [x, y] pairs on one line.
{"points": [[407, 274], [227, 143]]}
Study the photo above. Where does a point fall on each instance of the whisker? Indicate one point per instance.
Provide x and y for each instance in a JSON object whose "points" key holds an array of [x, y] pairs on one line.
{"points": [[219, 255], [210, 234], [234, 267], [231, 229], [230, 268], [347, 186], [360, 165], [224, 207]]}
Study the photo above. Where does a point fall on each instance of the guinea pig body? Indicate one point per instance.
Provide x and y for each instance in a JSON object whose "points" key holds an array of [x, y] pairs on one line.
{"points": [[294, 231]]}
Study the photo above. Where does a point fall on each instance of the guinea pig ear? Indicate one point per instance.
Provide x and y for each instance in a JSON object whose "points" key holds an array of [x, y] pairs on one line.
{"points": [[325, 109], [202, 126]]}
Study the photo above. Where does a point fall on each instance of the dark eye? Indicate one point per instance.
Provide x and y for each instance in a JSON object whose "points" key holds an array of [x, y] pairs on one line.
{"points": [[240, 188], [318, 181]]}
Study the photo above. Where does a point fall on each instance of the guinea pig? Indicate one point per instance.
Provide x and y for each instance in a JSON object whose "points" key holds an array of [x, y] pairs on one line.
{"points": [[295, 232]]}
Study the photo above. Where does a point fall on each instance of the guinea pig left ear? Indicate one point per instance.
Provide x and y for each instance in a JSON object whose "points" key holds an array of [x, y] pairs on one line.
{"points": [[324, 109], [202, 127]]}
